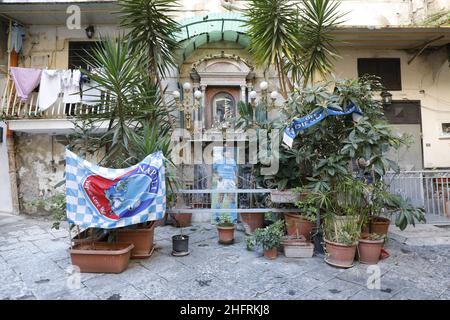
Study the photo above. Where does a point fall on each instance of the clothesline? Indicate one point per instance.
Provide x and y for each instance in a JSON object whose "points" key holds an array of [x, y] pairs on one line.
{"points": [[51, 83]]}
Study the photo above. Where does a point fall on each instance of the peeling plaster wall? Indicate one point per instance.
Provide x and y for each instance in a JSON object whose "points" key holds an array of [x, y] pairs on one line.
{"points": [[39, 168], [48, 46]]}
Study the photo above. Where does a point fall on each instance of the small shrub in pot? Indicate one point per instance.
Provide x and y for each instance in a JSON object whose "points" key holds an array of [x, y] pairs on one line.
{"points": [[269, 238], [225, 228]]}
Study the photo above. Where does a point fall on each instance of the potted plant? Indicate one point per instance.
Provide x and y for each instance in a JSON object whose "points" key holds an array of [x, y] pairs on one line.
{"points": [[384, 205], [225, 228], [341, 242], [181, 219], [101, 257], [252, 221], [369, 248], [141, 236], [302, 223], [269, 238], [180, 244], [90, 235]]}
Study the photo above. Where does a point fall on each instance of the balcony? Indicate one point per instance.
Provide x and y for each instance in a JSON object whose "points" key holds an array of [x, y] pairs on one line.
{"points": [[25, 116]]}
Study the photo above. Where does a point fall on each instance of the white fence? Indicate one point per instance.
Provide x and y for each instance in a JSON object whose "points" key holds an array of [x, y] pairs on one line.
{"points": [[429, 189]]}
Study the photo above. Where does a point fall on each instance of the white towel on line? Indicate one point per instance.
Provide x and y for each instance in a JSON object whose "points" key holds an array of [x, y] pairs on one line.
{"points": [[49, 88]]}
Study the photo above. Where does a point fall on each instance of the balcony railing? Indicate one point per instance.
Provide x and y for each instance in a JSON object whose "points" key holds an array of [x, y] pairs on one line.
{"points": [[13, 108]]}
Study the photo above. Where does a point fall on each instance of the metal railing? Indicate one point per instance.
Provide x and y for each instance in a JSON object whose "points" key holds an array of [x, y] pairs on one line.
{"points": [[198, 197], [429, 189]]}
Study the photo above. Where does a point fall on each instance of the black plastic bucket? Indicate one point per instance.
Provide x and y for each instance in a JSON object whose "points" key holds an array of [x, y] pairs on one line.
{"points": [[180, 243]]}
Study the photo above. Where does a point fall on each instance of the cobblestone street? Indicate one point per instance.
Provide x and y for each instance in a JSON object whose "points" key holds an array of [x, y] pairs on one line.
{"points": [[34, 261]]}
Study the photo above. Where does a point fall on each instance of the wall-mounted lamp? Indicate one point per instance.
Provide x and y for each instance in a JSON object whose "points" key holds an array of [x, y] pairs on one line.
{"points": [[90, 31], [185, 106], [386, 97]]}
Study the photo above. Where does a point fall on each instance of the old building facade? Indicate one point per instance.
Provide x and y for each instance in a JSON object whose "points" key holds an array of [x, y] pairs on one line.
{"points": [[394, 39]]}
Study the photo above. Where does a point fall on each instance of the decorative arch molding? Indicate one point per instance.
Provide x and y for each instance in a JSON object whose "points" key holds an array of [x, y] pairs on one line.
{"points": [[214, 27], [222, 70]]}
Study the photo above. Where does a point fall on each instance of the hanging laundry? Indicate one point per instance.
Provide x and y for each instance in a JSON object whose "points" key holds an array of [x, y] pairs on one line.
{"points": [[91, 91], [17, 34], [71, 86], [25, 81], [49, 89]]}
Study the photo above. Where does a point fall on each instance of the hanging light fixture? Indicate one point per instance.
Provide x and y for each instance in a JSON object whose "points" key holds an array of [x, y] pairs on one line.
{"points": [[90, 31], [386, 97]]}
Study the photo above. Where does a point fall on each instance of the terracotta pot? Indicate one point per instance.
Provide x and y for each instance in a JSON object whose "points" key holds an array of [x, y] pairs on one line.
{"points": [[141, 238], [340, 255], [271, 253], [379, 225], [252, 221], [297, 247], [101, 257], [181, 220], [369, 250], [296, 225], [226, 234]]}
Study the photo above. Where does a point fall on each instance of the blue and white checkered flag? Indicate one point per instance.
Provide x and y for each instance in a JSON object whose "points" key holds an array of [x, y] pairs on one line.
{"points": [[99, 197]]}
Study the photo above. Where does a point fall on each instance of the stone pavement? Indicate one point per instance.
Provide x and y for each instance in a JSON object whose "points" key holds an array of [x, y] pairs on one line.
{"points": [[34, 261]]}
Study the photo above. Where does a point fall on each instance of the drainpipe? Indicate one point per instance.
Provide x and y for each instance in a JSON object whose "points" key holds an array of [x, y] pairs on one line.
{"points": [[12, 171], [13, 61]]}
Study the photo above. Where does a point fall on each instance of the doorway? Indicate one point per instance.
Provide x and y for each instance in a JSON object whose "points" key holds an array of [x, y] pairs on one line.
{"points": [[405, 118]]}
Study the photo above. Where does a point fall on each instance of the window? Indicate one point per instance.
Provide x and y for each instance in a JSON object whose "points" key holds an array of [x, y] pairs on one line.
{"points": [[79, 54], [445, 127], [388, 69], [403, 112]]}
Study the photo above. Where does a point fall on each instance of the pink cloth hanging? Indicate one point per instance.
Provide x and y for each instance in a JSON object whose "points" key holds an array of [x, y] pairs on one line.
{"points": [[25, 80]]}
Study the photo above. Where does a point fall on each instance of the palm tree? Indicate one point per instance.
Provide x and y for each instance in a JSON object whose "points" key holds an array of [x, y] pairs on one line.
{"points": [[318, 19], [272, 27], [294, 36], [129, 100], [150, 28]]}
